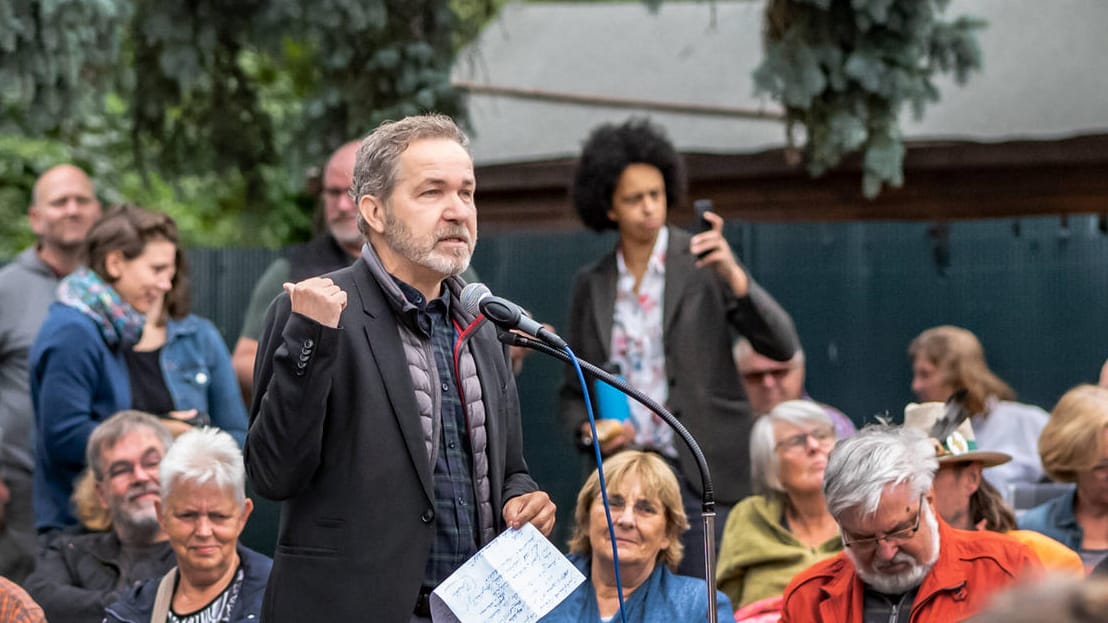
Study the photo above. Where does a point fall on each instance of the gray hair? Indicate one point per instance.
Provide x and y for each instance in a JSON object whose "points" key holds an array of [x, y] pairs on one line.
{"points": [[859, 468], [110, 431], [202, 456], [741, 349], [376, 162], [765, 465]]}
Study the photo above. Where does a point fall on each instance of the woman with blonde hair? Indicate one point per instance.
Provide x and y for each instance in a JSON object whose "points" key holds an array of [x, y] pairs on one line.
{"points": [[648, 518], [948, 360], [1074, 448]]}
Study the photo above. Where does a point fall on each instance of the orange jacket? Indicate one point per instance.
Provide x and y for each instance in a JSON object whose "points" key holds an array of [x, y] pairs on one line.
{"points": [[972, 565], [1053, 555]]}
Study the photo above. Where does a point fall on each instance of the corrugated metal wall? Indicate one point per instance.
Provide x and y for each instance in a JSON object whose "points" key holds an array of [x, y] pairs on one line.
{"points": [[222, 280], [1034, 290]]}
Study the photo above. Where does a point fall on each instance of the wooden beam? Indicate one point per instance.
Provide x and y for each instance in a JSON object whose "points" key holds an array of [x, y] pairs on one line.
{"points": [[943, 180]]}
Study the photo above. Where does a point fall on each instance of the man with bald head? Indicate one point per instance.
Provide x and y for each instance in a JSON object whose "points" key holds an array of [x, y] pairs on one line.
{"points": [[335, 248], [63, 207]]}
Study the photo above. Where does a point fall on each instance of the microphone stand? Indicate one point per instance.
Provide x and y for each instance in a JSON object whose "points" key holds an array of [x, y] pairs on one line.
{"points": [[708, 504]]}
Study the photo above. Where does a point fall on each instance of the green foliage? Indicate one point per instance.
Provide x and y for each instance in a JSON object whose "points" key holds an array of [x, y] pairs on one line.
{"points": [[845, 70], [234, 84], [19, 161], [50, 52], [472, 15], [213, 110], [361, 62]]}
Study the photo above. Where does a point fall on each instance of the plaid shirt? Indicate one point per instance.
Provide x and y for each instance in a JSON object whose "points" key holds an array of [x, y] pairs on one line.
{"points": [[16, 606], [455, 498]]}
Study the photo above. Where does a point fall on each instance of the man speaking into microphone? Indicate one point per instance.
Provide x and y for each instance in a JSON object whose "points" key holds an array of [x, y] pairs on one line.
{"points": [[385, 418]]}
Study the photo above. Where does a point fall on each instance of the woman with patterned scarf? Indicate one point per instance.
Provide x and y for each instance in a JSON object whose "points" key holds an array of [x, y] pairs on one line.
{"points": [[79, 373]]}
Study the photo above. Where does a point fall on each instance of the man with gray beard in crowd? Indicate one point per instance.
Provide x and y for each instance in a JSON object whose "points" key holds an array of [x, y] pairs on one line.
{"points": [[78, 575], [901, 562]]}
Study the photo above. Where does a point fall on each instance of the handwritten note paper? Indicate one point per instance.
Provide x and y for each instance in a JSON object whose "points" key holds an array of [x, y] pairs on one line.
{"points": [[517, 578]]}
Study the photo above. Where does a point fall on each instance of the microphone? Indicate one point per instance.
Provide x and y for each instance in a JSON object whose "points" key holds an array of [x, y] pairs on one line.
{"points": [[477, 298]]}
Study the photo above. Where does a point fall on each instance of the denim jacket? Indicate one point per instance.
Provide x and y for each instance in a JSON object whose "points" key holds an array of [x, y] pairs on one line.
{"points": [[197, 370], [663, 597], [1056, 519]]}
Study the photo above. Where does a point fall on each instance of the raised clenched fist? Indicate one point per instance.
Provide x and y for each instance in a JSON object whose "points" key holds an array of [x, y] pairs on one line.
{"points": [[317, 298]]}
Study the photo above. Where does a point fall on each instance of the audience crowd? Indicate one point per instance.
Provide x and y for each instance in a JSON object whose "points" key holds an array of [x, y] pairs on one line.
{"points": [[383, 418]]}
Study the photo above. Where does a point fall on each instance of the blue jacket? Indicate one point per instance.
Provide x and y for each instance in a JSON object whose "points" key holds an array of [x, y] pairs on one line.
{"points": [[662, 598], [197, 370], [1055, 518], [137, 605], [77, 381]]}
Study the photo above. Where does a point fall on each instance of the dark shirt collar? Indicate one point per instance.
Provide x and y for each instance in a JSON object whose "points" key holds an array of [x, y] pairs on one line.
{"points": [[880, 607], [418, 317], [415, 297]]}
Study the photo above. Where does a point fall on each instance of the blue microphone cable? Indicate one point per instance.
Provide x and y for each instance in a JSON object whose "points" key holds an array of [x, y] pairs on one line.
{"points": [[600, 474]]}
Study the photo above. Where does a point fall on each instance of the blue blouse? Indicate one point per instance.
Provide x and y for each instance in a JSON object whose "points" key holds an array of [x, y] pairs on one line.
{"points": [[662, 598]]}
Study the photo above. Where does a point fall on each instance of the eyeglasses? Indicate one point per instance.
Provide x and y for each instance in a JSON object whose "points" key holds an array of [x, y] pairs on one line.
{"points": [[896, 537], [823, 437], [334, 193], [149, 463], [640, 507], [759, 376]]}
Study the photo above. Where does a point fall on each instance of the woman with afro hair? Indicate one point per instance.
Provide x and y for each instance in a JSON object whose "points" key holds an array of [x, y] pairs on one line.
{"points": [[663, 306]]}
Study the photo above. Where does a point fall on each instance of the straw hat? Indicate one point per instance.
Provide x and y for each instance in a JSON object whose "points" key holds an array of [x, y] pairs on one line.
{"points": [[960, 446]]}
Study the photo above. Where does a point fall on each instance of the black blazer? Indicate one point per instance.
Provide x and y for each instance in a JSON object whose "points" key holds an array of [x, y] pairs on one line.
{"points": [[699, 312], [335, 433]]}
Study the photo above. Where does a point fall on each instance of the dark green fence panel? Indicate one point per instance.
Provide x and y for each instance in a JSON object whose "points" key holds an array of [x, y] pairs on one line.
{"points": [[1034, 290], [222, 280]]}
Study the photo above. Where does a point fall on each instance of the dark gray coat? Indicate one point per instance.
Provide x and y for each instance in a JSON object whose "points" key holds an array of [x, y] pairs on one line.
{"points": [[335, 433], [137, 605], [699, 314], [77, 575]]}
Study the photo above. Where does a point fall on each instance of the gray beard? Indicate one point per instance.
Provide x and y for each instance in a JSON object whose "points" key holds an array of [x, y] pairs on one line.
{"points": [[135, 530], [400, 239], [905, 580]]}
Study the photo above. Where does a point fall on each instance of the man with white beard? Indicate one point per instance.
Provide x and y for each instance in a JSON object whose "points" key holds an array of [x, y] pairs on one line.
{"points": [[78, 575], [901, 562]]}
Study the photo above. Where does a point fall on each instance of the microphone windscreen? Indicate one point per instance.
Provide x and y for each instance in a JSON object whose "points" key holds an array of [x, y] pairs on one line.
{"points": [[472, 295]]}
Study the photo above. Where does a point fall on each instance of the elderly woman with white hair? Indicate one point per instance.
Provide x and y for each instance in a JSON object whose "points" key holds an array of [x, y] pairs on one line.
{"points": [[772, 536], [203, 508]]}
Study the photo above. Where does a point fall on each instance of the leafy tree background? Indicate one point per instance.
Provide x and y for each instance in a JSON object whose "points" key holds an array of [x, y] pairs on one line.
{"points": [[216, 111], [845, 70]]}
